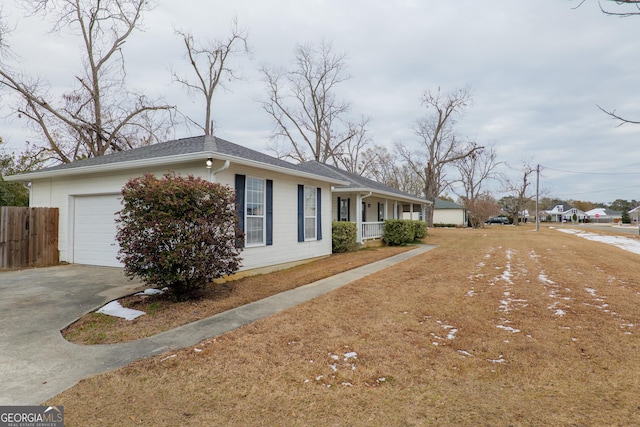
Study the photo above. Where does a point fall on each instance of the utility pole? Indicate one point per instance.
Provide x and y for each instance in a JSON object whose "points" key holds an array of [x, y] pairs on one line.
{"points": [[537, 197]]}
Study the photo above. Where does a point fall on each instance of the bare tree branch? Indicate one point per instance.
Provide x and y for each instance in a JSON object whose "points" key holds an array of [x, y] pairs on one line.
{"points": [[439, 146], [475, 170], [624, 14], [520, 193], [307, 114], [100, 115], [210, 63], [617, 117]]}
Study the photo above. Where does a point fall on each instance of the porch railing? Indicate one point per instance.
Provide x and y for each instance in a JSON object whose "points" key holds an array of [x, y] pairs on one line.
{"points": [[372, 230]]}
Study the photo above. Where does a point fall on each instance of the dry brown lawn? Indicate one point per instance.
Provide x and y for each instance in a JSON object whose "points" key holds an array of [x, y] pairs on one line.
{"points": [[163, 313], [497, 327]]}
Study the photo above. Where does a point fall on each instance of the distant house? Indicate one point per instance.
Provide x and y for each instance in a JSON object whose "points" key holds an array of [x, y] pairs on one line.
{"points": [[634, 214], [603, 215], [447, 212], [564, 212]]}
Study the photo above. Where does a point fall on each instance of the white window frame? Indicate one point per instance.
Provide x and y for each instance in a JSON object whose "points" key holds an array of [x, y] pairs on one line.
{"points": [[310, 212], [261, 215]]}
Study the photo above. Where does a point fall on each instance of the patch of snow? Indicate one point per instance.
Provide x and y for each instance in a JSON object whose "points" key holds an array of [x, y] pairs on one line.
{"points": [[151, 291], [591, 291], [452, 334], [625, 243], [114, 308], [350, 355], [508, 329], [465, 353], [542, 277]]}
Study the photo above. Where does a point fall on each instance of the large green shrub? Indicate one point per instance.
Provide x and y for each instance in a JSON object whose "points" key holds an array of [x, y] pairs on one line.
{"points": [[397, 232], [343, 235], [178, 232], [420, 229]]}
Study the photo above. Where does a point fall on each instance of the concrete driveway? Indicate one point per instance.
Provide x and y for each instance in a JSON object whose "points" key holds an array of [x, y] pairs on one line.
{"points": [[37, 363]]}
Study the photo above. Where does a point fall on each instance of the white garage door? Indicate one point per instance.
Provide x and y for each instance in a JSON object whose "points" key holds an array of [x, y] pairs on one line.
{"points": [[94, 240]]}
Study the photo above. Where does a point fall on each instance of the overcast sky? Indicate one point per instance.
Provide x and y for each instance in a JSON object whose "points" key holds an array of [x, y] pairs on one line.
{"points": [[537, 70]]}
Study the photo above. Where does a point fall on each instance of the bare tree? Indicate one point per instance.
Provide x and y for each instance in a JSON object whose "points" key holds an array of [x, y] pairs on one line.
{"points": [[381, 165], [519, 192], [210, 64], [439, 147], [100, 115], [481, 208], [309, 118], [475, 170], [351, 155]]}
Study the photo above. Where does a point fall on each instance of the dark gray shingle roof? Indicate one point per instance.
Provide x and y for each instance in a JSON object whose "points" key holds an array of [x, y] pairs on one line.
{"points": [[446, 204], [175, 148], [355, 181]]}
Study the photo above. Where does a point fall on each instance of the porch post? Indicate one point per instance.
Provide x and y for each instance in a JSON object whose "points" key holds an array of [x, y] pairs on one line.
{"points": [[359, 218]]}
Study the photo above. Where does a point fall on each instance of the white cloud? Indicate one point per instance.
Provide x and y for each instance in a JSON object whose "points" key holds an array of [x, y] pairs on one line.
{"points": [[536, 69]]}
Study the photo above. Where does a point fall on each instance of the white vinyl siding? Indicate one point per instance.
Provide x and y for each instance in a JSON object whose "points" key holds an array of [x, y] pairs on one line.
{"points": [[60, 193]]}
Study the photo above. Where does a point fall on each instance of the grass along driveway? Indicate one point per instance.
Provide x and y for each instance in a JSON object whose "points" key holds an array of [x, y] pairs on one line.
{"points": [[163, 313], [502, 326]]}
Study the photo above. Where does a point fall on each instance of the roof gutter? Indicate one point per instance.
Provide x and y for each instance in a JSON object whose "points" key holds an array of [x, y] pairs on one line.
{"points": [[388, 194], [162, 161]]}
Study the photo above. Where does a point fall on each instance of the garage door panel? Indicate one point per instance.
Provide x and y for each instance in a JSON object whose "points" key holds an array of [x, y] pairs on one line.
{"points": [[95, 230]]}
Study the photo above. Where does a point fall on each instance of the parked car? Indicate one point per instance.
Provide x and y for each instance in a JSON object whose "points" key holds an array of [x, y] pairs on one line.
{"points": [[498, 220]]}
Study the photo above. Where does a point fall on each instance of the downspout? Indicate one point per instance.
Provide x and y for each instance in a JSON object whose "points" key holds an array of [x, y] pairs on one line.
{"points": [[212, 173], [28, 184]]}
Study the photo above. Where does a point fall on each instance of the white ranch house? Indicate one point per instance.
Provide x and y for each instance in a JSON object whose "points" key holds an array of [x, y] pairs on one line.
{"points": [[284, 209], [602, 215], [565, 213], [634, 215]]}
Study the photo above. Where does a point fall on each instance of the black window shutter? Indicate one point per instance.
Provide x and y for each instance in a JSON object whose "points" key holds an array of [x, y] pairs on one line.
{"points": [[319, 215], [240, 185], [300, 213], [269, 212], [339, 217]]}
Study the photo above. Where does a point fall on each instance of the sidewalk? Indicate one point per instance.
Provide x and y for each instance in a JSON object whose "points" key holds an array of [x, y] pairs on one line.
{"points": [[50, 364]]}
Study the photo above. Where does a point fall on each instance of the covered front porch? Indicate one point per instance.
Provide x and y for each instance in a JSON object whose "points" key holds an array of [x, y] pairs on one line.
{"points": [[369, 210]]}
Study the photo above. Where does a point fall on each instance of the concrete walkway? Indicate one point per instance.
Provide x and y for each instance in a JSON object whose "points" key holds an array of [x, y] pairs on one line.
{"points": [[37, 363]]}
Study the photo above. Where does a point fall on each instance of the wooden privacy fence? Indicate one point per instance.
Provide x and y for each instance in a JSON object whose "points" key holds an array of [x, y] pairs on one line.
{"points": [[28, 237]]}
